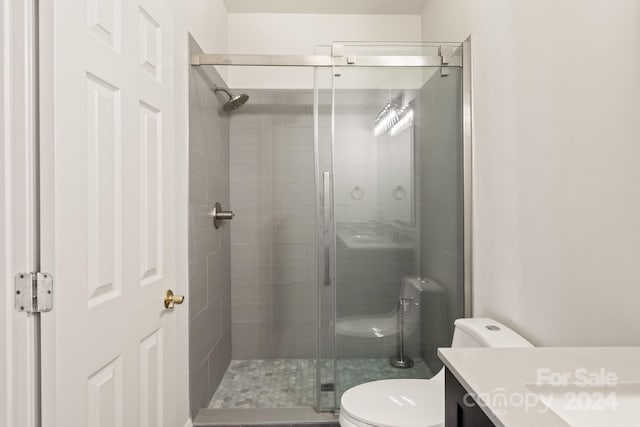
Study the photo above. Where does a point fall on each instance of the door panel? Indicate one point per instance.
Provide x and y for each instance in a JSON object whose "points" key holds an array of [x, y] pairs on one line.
{"points": [[112, 197]]}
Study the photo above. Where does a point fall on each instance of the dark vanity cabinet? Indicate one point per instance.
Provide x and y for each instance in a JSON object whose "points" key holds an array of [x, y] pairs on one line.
{"points": [[461, 410]]}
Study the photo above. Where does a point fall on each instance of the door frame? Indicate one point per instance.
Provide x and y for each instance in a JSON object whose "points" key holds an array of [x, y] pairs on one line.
{"points": [[19, 393]]}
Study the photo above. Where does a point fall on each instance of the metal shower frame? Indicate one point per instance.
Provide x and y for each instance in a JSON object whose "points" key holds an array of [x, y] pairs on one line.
{"points": [[444, 59]]}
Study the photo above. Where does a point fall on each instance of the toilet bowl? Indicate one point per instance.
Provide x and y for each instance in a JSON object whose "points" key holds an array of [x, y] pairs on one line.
{"points": [[394, 403], [414, 402]]}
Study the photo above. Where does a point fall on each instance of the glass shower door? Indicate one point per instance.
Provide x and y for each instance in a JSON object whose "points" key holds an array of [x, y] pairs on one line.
{"points": [[323, 124], [390, 180]]}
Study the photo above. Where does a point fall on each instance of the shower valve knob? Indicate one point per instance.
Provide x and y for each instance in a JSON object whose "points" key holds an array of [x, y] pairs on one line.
{"points": [[219, 215]]}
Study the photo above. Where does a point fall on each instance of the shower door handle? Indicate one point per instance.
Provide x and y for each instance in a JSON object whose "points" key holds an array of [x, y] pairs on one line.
{"points": [[326, 226]]}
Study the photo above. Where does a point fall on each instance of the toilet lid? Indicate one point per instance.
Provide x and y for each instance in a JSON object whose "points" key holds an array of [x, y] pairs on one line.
{"points": [[396, 403]]}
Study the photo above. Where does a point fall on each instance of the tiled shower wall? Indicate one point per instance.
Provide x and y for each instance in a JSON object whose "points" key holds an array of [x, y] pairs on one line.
{"points": [[209, 249], [274, 254], [439, 151], [273, 263]]}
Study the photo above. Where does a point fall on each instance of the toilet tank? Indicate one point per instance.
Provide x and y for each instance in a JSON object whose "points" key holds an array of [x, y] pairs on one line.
{"points": [[483, 332], [419, 289]]}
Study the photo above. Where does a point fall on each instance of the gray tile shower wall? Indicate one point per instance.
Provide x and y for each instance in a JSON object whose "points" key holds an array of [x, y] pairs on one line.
{"points": [[273, 267], [439, 137], [209, 249]]}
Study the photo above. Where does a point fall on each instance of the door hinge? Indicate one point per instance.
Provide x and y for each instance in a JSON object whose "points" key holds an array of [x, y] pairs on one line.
{"points": [[33, 292]]}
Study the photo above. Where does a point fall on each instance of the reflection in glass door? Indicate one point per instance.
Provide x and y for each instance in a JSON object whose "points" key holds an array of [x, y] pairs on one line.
{"points": [[390, 180]]}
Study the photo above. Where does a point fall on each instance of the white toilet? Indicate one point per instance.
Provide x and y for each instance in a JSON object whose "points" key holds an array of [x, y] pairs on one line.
{"points": [[419, 403]]}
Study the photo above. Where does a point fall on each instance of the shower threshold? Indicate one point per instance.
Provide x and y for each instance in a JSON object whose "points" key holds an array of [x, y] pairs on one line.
{"points": [[258, 417]]}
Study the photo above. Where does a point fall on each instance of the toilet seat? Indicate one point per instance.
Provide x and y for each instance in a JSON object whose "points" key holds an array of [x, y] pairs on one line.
{"points": [[394, 403]]}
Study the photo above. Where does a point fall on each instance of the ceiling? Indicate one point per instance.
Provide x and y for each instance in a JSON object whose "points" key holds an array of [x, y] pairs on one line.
{"points": [[360, 7]]}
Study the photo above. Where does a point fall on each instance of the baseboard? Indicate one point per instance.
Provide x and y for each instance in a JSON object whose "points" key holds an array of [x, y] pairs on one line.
{"points": [[189, 423]]}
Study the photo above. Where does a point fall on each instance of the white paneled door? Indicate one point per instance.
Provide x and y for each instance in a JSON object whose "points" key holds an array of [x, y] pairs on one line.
{"points": [[107, 213]]}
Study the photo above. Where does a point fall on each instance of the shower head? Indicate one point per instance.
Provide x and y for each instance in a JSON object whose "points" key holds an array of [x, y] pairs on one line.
{"points": [[235, 101]]}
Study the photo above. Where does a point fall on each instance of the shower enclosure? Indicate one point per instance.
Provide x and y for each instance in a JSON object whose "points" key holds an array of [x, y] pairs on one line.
{"points": [[350, 248]]}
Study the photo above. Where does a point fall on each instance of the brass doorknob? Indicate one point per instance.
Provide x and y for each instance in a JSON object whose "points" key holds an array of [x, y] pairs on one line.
{"points": [[170, 299]]}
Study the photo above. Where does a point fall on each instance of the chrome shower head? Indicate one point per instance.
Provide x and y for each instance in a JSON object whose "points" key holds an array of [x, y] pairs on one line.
{"points": [[235, 101]]}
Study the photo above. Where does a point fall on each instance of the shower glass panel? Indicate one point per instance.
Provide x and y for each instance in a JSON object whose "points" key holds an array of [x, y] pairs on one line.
{"points": [[390, 174], [323, 114], [347, 249], [273, 249]]}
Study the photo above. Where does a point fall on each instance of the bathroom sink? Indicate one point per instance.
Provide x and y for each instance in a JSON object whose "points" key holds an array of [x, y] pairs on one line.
{"points": [[367, 238], [597, 406]]}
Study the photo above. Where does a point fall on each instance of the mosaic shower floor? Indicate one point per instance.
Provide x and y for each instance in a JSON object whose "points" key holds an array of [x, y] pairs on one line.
{"points": [[289, 383]]}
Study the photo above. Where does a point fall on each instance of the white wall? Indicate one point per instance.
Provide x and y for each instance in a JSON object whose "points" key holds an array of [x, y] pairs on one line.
{"points": [[299, 34], [207, 20], [208, 23], [557, 179]]}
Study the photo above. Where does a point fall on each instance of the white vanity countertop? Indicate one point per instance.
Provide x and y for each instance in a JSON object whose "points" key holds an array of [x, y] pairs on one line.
{"points": [[600, 383]]}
